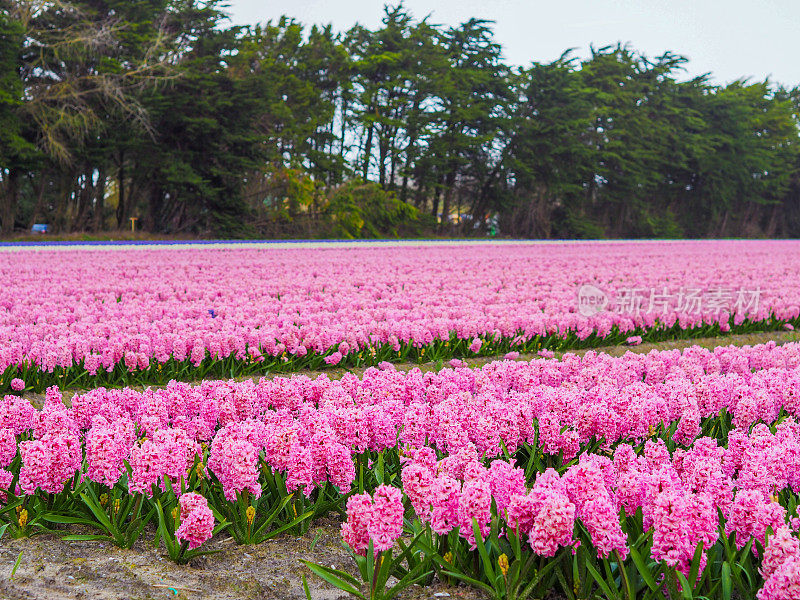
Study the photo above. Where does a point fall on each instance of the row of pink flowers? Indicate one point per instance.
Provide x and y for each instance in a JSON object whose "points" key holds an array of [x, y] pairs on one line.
{"points": [[101, 308], [679, 494], [690, 497], [310, 429]]}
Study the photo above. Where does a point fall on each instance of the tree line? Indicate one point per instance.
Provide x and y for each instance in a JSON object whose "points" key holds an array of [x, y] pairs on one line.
{"points": [[159, 110]]}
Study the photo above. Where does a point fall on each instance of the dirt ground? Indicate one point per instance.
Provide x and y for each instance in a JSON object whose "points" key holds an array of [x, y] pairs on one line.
{"points": [[53, 569]]}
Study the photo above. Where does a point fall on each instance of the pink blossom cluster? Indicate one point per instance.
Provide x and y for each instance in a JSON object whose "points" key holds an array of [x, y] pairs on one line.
{"points": [[197, 520], [780, 567], [52, 459], [169, 455], [143, 307], [378, 518], [234, 457], [108, 445], [458, 490], [545, 514], [681, 496]]}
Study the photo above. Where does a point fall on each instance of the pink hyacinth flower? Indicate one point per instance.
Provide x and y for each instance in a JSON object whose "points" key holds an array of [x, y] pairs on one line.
{"points": [[197, 520]]}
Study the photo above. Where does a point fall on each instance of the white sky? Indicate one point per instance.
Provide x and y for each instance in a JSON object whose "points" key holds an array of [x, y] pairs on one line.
{"points": [[730, 38]]}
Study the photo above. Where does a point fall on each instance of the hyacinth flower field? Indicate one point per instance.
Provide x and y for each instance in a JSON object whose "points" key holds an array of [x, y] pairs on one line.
{"points": [[127, 420], [80, 317]]}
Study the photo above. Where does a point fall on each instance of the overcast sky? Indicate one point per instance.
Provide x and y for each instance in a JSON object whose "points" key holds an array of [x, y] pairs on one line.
{"points": [[729, 38]]}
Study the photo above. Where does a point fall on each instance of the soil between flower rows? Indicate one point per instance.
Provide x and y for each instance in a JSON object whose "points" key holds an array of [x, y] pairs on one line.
{"points": [[53, 569]]}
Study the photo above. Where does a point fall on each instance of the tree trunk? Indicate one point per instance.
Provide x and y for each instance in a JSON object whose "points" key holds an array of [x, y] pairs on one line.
{"points": [[84, 197], [367, 152], [153, 222], [772, 226], [8, 202], [121, 191], [383, 152], [436, 197], [342, 135], [410, 147], [38, 208], [392, 167], [100, 202], [448, 194], [419, 197], [723, 224], [63, 192]]}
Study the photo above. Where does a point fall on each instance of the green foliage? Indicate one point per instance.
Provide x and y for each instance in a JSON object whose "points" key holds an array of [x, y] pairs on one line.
{"points": [[375, 569], [12, 142], [158, 110], [366, 210], [255, 520], [284, 194], [117, 515]]}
